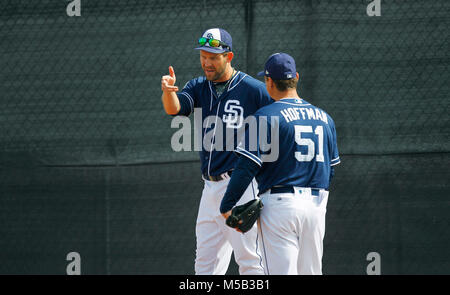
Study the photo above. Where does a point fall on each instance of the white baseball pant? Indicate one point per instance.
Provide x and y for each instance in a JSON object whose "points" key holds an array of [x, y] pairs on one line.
{"points": [[291, 232], [216, 241]]}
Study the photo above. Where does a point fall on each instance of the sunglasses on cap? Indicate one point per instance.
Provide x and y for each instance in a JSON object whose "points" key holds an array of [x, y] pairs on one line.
{"points": [[212, 42]]}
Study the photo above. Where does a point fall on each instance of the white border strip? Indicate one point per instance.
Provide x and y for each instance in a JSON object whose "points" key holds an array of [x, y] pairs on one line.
{"points": [[249, 155]]}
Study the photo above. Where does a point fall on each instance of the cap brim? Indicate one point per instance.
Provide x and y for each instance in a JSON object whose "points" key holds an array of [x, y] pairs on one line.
{"points": [[262, 73], [212, 49]]}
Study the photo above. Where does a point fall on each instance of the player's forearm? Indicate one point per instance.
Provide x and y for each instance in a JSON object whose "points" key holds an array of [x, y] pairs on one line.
{"points": [[243, 174], [171, 103]]}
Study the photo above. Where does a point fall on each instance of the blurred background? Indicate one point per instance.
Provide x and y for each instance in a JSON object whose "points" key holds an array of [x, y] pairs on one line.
{"points": [[86, 163]]}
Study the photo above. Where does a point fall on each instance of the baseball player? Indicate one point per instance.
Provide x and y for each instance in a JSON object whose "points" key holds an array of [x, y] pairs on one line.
{"points": [[225, 97], [294, 187]]}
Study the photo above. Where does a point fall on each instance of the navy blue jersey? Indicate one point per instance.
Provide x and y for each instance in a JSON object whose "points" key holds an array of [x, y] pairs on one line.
{"points": [[307, 145], [222, 115]]}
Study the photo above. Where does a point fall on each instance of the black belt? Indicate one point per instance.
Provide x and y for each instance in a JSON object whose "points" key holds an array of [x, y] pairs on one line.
{"points": [[290, 189], [218, 177]]}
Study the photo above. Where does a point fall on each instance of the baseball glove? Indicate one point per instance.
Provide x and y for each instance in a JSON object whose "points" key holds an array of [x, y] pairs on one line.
{"points": [[244, 216]]}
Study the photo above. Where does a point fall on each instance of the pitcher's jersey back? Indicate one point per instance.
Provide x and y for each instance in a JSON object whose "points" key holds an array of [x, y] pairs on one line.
{"points": [[304, 138]]}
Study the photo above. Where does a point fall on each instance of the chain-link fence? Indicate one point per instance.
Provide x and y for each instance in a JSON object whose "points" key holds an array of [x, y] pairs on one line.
{"points": [[85, 155]]}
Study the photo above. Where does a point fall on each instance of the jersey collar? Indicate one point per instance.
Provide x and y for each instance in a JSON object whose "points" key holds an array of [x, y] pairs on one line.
{"points": [[292, 100], [235, 80]]}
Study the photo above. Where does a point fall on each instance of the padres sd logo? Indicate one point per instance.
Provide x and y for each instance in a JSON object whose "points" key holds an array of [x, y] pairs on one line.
{"points": [[234, 114]]}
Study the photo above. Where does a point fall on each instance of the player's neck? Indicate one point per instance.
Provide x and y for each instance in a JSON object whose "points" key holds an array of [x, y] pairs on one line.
{"points": [[291, 93], [227, 75]]}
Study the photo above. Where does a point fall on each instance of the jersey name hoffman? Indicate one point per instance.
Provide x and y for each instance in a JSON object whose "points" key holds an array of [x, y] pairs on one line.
{"points": [[296, 113]]}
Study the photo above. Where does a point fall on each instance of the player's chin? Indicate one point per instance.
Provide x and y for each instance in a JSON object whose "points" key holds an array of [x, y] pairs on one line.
{"points": [[211, 75]]}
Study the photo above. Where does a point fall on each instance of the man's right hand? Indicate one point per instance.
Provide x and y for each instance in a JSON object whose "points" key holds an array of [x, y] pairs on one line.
{"points": [[169, 96], [168, 81]]}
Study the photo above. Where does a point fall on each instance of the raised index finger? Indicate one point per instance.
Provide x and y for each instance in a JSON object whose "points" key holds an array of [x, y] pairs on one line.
{"points": [[171, 72]]}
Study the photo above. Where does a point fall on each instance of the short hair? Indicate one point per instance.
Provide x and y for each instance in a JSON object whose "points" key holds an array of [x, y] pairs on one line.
{"points": [[283, 85]]}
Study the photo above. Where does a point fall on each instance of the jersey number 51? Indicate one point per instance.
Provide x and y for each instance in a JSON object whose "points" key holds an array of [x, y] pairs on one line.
{"points": [[309, 143]]}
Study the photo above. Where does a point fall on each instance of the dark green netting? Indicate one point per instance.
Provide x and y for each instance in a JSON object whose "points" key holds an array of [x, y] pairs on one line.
{"points": [[85, 158]]}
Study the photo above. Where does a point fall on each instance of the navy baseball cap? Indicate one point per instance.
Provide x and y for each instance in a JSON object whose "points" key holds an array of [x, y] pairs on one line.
{"points": [[279, 66], [217, 34]]}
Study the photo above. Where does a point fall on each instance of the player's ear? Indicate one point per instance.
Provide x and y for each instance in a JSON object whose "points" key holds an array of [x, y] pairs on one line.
{"points": [[230, 56], [297, 76], [269, 83]]}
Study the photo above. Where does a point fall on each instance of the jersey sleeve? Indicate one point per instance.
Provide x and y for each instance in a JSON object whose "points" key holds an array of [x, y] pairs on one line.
{"points": [[334, 153], [243, 174], [251, 145], [187, 99], [263, 98], [252, 155]]}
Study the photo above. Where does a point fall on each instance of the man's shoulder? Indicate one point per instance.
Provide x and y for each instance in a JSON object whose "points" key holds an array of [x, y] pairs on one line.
{"points": [[195, 84], [322, 111], [268, 110], [198, 81], [247, 80]]}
